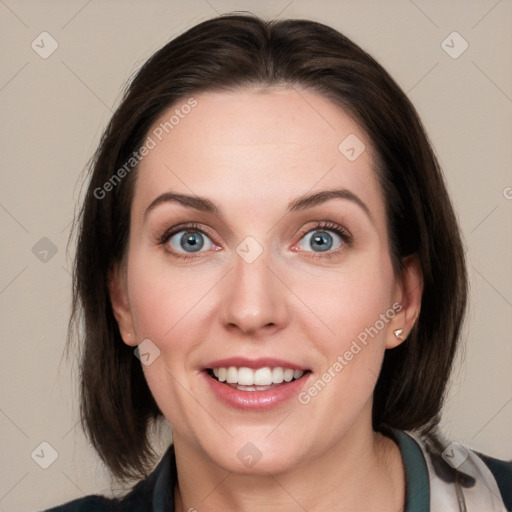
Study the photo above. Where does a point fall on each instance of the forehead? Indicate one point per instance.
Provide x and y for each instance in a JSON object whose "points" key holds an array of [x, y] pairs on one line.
{"points": [[256, 146]]}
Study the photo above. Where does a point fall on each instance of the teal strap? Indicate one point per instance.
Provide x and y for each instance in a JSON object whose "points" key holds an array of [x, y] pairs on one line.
{"points": [[416, 473]]}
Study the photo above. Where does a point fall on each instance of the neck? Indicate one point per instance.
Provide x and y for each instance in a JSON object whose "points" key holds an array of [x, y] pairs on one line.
{"points": [[362, 471]]}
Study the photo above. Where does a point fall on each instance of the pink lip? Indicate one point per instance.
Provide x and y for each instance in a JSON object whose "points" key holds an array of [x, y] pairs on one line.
{"points": [[256, 401], [240, 362]]}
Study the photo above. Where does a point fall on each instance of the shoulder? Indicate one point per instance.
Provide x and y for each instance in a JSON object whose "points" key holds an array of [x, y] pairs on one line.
{"points": [[157, 488], [96, 503], [139, 498], [460, 470], [502, 472]]}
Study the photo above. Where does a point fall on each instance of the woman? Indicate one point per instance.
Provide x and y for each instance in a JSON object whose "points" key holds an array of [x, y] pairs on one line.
{"points": [[268, 259]]}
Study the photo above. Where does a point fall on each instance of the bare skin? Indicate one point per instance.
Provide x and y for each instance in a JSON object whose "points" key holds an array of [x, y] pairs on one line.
{"points": [[252, 152]]}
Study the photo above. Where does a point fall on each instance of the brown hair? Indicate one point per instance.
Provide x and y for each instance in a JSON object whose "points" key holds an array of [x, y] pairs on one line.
{"points": [[234, 51]]}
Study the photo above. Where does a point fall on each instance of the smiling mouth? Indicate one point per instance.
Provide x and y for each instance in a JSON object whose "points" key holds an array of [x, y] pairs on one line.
{"points": [[260, 379]]}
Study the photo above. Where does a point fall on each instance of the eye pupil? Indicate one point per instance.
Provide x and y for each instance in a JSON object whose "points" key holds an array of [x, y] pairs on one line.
{"points": [[193, 239], [323, 240]]}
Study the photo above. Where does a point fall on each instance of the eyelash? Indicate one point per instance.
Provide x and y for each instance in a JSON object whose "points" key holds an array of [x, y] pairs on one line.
{"points": [[319, 226], [343, 233], [191, 226]]}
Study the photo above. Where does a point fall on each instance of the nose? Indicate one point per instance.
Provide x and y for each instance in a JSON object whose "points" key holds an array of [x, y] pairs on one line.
{"points": [[254, 301]]}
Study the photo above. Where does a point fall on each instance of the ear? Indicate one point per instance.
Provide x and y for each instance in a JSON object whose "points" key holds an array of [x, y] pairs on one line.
{"points": [[118, 292], [408, 293]]}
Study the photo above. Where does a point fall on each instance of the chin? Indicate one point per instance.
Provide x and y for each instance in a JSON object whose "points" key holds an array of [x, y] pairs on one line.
{"points": [[255, 455]]}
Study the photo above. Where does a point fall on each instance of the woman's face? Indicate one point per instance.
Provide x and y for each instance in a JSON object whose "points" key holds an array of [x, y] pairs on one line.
{"points": [[258, 252]]}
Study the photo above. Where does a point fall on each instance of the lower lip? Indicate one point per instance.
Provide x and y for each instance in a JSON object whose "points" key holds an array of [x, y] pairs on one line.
{"points": [[255, 400]]}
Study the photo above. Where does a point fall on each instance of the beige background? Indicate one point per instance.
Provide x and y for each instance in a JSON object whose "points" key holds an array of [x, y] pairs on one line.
{"points": [[53, 111]]}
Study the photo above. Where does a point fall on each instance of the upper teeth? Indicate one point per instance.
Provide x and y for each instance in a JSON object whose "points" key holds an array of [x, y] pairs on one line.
{"points": [[260, 377]]}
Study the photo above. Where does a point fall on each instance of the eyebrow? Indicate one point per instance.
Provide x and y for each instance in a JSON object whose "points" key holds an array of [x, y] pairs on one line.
{"points": [[310, 200], [197, 203], [299, 204]]}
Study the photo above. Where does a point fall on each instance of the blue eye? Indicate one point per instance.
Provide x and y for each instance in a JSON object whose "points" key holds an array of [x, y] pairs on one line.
{"points": [[321, 240], [189, 241]]}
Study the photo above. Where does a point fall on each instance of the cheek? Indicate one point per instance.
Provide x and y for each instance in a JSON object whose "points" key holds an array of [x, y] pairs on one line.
{"points": [[164, 299], [166, 304], [350, 301], [355, 308]]}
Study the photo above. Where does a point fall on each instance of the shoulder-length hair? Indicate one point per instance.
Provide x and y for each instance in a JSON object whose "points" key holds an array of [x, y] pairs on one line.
{"points": [[227, 53]]}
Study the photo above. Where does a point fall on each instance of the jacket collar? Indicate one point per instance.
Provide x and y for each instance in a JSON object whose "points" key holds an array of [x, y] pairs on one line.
{"points": [[417, 478]]}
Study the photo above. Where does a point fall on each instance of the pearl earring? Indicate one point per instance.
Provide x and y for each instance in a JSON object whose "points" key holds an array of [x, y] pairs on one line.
{"points": [[398, 333]]}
